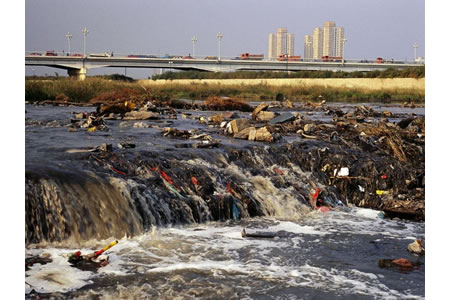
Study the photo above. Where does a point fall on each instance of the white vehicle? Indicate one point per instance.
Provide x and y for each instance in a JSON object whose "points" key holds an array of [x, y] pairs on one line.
{"points": [[104, 54]]}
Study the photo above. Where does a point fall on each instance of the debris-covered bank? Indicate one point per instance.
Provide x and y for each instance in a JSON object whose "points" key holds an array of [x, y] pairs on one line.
{"points": [[122, 167]]}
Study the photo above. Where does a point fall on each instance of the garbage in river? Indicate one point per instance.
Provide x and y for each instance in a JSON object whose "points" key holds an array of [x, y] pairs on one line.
{"points": [[258, 234], [401, 264], [416, 247], [259, 159], [92, 261]]}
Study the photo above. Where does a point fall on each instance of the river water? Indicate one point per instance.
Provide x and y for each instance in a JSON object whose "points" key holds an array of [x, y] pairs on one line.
{"points": [[314, 255]]}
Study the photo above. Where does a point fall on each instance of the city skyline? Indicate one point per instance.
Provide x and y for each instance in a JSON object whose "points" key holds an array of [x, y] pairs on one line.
{"points": [[167, 27]]}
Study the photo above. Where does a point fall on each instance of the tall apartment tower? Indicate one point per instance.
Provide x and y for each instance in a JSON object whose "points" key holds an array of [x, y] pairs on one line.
{"points": [[340, 41], [290, 44], [272, 46], [281, 41], [308, 47], [317, 43], [329, 38], [326, 41]]}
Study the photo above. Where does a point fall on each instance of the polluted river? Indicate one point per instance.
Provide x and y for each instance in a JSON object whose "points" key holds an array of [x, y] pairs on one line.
{"points": [[317, 205]]}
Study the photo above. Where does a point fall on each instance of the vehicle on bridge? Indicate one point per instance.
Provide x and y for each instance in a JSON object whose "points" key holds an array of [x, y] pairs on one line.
{"points": [[75, 55], [248, 56], [141, 56], [289, 58], [104, 54], [379, 60], [36, 54], [211, 57], [50, 53], [327, 58], [188, 57]]}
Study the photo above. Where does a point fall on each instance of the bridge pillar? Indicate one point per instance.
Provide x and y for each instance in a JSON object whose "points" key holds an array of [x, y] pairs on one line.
{"points": [[80, 74]]}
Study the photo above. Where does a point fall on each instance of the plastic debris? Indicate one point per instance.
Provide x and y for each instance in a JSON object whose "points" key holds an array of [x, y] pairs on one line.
{"points": [[92, 261], [282, 118], [381, 192], [416, 247], [401, 264]]}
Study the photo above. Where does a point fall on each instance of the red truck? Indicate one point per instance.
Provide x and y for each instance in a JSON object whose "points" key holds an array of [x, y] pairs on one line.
{"points": [[50, 53], [327, 58], [289, 58], [379, 60], [248, 56]]}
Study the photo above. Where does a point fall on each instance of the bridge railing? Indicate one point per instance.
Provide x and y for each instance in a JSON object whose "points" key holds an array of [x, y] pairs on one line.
{"points": [[206, 57]]}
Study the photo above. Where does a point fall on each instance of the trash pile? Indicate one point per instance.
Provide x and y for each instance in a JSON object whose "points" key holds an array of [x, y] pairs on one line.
{"points": [[234, 164]]}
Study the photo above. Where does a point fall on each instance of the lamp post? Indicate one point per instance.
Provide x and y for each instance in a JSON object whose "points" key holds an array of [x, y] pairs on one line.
{"points": [[219, 37], [69, 37], [344, 40], [415, 46], [85, 32], [194, 41]]}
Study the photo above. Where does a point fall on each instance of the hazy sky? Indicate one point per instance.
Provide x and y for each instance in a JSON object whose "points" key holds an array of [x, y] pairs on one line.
{"points": [[381, 28]]}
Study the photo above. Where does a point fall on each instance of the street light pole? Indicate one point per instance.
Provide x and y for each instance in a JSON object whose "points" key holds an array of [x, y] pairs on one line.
{"points": [[194, 41], [344, 40], [219, 37], [69, 37], [415, 46], [85, 32]]}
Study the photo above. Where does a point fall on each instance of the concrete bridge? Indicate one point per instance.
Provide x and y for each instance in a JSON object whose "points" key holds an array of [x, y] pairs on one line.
{"points": [[78, 65]]}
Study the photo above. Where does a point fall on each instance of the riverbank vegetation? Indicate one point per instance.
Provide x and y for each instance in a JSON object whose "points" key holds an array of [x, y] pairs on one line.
{"points": [[72, 90], [416, 72]]}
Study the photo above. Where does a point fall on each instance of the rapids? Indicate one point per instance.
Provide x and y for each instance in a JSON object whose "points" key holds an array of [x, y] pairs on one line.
{"points": [[183, 239]]}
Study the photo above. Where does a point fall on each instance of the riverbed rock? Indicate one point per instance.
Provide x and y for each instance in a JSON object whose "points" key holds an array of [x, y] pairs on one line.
{"points": [[263, 135], [140, 115], [239, 124], [216, 119], [244, 133], [265, 116], [261, 107]]}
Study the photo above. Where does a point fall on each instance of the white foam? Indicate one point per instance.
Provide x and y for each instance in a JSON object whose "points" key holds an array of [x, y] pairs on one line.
{"points": [[296, 228], [56, 276], [367, 212]]}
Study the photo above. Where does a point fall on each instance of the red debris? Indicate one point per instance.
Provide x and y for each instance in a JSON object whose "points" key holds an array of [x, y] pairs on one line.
{"points": [[166, 177], [403, 263], [278, 171], [316, 194], [118, 172], [323, 209], [384, 176], [194, 180]]}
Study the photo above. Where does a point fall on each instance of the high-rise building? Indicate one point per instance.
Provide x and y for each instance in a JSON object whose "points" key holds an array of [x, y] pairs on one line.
{"points": [[272, 46], [326, 41], [281, 43], [317, 40], [340, 41], [329, 39], [290, 44], [308, 53]]}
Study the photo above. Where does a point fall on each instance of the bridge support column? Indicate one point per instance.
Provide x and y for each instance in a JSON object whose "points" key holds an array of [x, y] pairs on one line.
{"points": [[80, 74]]}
